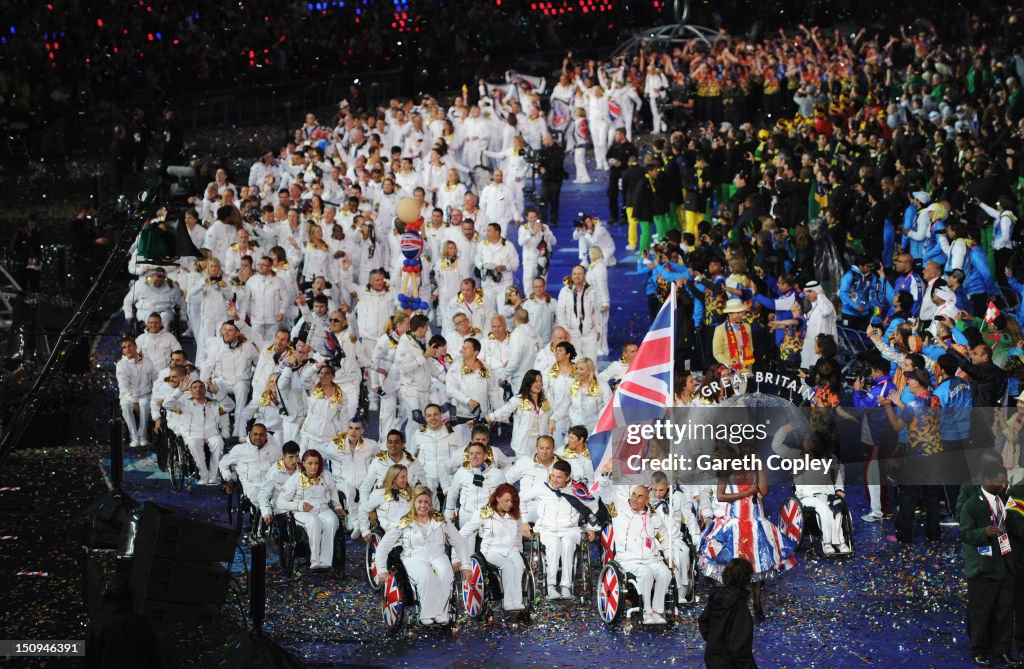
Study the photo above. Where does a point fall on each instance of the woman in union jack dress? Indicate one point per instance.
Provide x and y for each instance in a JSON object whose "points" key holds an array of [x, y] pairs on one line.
{"points": [[744, 531]]}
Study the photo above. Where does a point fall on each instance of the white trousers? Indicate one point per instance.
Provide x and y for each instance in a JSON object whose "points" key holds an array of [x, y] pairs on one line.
{"points": [[586, 345], [291, 429], [512, 569], [411, 400], [559, 546], [874, 484], [830, 519], [138, 428], [658, 125], [432, 581], [240, 393], [264, 333], [652, 579], [388, 414], [579, 156], [216, 446], [320, 527], [599, 134]]}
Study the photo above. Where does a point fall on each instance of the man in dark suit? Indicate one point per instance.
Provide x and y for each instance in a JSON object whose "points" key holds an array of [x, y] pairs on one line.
{"points": [[989, 567]]}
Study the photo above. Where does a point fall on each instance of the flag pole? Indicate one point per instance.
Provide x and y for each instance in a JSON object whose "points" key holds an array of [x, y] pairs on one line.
{"points": [[671, 403]]}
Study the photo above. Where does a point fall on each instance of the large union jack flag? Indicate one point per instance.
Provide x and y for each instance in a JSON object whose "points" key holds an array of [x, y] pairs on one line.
{"points": [[643, 394]]}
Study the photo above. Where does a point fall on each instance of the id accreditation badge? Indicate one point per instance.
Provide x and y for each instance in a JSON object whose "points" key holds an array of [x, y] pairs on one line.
{"points": [[1004, 544], [647, 542]]}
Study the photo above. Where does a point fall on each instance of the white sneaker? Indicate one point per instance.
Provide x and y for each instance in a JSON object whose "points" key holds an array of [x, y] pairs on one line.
{"points": [[873, 517], [652, 618], [658, 618], [631, 248], [844, 547], [828, 549], [134, 443], [144, 443], [553, 593], [441, 620]]}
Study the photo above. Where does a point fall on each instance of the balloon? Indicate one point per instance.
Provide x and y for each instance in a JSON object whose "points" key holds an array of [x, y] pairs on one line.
{"points": [[408, 210]]}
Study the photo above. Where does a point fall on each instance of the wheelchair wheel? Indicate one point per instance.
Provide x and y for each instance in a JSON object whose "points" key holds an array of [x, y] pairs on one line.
{"points": [[370, 564], [611, 593], [235, 507], [393, 604], [176, 466], [529, 591], [340, 552], [473, 590], [848, 530], [583, 581], [534, 558], [288, 544], [162, 450], [791, 520]]}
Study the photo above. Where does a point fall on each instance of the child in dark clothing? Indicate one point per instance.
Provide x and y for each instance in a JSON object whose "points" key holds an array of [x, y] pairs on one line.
{"points": [[726, 623]]}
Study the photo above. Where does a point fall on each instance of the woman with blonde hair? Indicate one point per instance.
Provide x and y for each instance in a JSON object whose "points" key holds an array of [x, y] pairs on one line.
{"points": [[587, 397], [386, 504], [315, 256], [422, 533]]}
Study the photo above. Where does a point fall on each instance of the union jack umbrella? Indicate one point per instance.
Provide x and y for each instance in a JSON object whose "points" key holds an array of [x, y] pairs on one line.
{"points": [[393, 605], [473, 590]]}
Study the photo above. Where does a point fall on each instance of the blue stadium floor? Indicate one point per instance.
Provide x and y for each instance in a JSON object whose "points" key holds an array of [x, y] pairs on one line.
{"points": [[889, 605]]}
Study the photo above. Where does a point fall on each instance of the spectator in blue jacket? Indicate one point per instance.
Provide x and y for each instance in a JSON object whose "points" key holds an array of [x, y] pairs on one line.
{"points": [[981, 287], [855, 290]]}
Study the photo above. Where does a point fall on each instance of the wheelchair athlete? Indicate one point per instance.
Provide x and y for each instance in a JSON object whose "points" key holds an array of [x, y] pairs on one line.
{"points": [[311, 494], [501, 530], [560, 512], [641, 546], [248, 463], [473, 483], [821, 493], [422, 534]]}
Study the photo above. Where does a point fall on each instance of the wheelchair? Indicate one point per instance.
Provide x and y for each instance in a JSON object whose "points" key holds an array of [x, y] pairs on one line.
{"points": [[608, 554], [617, 595], [238, 507], [180, 465], [293, 543], [370, 556], [399, 599], [484, 589], [797, 521], [583, 573]]}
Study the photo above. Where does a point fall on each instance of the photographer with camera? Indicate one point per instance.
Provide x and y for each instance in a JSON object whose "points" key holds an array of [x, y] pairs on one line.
{"points": [[552, 172], [497, 260]]}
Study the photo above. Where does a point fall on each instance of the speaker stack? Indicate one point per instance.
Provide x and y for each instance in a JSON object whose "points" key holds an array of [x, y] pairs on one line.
{"points": [[178, 574]]}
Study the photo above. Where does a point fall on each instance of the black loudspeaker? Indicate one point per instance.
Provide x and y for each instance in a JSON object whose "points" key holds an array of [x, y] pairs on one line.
{"points": [[166, 532], [178, 573], [183, 582]]}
